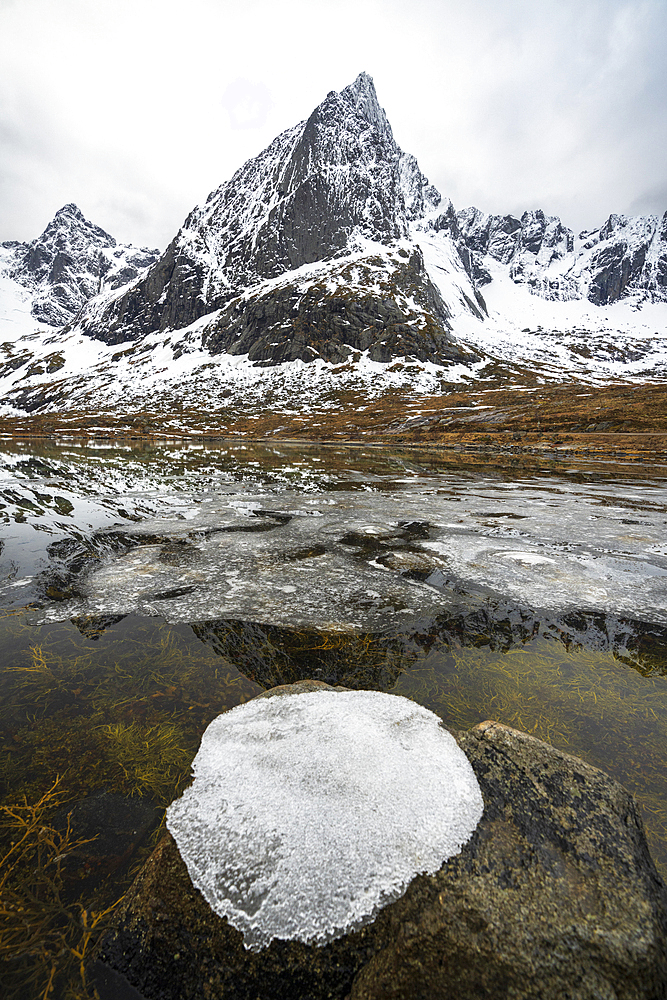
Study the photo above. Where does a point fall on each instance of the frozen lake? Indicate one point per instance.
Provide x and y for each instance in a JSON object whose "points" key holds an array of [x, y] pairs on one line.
{"points": [[328, 538], [145, 590]]}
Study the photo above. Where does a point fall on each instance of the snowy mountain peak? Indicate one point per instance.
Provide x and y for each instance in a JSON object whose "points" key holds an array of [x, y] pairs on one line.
{"points": [[363, 98], [68, 232], [71, 211], [306, 252], [331, 250], [69, 263]]}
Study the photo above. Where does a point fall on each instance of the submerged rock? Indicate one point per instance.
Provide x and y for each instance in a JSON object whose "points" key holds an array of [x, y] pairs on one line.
{"points": [[554, 896], [112, 828]]}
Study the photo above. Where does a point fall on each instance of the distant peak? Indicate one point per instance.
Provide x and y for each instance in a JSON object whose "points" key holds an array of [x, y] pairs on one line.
{"points": [[363, 85], [70, 210], [363, 98], [70, 219]]}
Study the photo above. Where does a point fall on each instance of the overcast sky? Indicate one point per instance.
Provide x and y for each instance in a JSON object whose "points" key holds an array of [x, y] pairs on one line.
{"points": [[136, 109]]}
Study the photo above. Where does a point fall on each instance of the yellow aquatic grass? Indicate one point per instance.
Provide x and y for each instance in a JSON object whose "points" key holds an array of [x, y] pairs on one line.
{"points": [[123, 706], [45, 938], [154, 759], [586, 702], [38, 667]]}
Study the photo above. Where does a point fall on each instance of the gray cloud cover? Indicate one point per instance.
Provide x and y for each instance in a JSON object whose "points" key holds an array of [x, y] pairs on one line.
{"points": [[136, 110]]}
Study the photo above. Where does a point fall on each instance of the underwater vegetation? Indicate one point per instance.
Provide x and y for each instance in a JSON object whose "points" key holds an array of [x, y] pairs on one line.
{"points": [[45, 936], [87, 711], [128, 710], [589, 703], [101, 715]]}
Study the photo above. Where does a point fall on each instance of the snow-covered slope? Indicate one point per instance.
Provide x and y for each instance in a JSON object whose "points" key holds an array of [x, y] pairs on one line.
{"points": [[327, 262], [567, 338], [306, 252], [51, 278]]}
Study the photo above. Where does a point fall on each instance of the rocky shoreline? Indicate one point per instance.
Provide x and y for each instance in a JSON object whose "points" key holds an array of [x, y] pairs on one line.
{"points": [[561, 422], [618, 450]]}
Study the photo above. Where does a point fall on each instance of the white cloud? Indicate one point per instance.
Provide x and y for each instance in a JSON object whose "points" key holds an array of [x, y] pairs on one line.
{"points": [[136, 110]]}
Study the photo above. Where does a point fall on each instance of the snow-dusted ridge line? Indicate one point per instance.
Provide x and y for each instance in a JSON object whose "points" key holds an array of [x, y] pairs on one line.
{"points": [[328, 249], [624, 258], [69, 263]]}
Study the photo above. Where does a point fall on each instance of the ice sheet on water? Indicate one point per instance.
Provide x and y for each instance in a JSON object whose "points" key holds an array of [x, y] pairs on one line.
{"points": [[341, 559], [310, 812], [560, 575]]}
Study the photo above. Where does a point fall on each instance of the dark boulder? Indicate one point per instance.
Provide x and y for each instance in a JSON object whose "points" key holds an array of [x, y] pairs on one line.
{"points": [[288, 323], [554, 896]]}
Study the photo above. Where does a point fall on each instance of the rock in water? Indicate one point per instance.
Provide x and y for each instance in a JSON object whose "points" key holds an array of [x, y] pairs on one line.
{"points": [[554, 896]]}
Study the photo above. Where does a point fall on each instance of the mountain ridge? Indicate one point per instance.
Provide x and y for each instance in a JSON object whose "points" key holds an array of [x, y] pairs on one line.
{"points": [[71, 261], [329, 261], [625, 256], [323, 191]]}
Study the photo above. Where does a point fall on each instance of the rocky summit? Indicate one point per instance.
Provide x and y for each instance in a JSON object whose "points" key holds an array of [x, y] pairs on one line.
{"points": [[70, 262], [327, 261], [305, 252]]}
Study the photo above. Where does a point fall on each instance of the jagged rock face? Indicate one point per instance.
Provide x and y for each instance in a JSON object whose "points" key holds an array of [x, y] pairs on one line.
{"points": [[339, 173], [324, 192], [70, 262], [628, 256], [541, 240], [495, 235], [336, 316], [625, 257], [528, 245], [447, 221]]}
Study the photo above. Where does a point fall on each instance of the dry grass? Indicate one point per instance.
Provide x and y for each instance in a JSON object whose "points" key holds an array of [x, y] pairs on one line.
{"points": [[565, 420]]}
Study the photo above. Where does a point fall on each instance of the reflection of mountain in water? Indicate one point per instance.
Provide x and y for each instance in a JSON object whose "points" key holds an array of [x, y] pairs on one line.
{"points": [[270, 655]]}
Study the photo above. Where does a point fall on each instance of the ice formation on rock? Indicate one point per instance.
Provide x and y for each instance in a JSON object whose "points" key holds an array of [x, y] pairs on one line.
{"points": [[309, 812]]}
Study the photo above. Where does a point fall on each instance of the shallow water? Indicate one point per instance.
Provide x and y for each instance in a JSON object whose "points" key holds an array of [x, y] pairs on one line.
{"points": [[146, 590]]}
